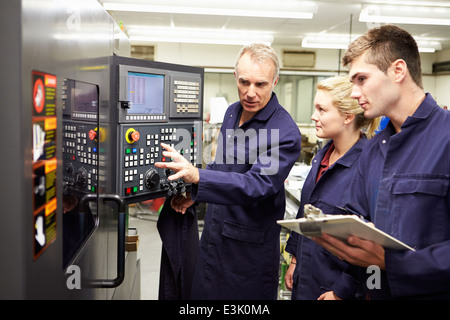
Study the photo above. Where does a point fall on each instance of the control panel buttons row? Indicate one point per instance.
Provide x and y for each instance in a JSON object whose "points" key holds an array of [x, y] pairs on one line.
{"points": [[145, 117]]}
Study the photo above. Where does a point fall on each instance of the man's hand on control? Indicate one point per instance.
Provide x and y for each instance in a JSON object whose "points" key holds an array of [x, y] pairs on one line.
{"points": [[182, 168]]}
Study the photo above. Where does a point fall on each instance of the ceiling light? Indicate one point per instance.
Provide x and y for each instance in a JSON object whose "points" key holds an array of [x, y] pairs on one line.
{"points": [[156, 39], [340, 41], [428, 45], [192, 35], [405, 14], [327, 41], [215, 11]]}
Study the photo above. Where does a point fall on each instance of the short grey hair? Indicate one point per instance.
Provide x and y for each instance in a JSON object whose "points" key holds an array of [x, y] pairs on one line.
{"points": [[260, 52]]}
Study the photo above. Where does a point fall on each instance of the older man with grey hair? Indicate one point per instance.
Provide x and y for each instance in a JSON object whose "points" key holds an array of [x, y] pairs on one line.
{"points": [[244, 186]]}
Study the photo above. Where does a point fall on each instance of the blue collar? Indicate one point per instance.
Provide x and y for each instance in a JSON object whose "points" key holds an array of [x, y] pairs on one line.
{"points": [[424, 110], [349, 157], [264, 114]]}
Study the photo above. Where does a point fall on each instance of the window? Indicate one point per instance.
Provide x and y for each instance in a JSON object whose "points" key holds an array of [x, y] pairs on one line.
{"points": [[295, 92]]}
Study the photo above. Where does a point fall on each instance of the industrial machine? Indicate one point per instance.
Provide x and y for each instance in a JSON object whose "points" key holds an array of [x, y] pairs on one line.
{"points": [[156, 102], [82, 133]]}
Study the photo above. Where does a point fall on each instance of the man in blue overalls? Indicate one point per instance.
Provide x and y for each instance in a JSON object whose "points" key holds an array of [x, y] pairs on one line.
{"points": [[244, 187], [402, 185]]}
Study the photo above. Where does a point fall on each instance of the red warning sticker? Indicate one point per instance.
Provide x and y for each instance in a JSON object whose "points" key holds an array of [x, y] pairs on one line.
{"points": [[44, 128]]}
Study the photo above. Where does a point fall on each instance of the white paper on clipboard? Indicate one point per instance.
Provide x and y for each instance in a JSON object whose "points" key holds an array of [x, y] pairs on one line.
{"points": [[341, 227]]}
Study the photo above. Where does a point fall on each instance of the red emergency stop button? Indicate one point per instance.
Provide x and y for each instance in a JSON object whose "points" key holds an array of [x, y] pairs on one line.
{"points": [[132, 135], [92, 134], [135, 136]]}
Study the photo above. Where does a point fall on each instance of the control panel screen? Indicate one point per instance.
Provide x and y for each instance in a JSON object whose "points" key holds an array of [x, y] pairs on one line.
{"points": [[85, 97], [145, 93], [80, 100]]}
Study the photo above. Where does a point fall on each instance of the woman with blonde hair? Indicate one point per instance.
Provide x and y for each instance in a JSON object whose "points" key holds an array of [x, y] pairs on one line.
{"points": [[313, 271]]}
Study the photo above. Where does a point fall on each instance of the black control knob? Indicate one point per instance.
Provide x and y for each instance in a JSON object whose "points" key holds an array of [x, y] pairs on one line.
{"points": [[81, 178], [151, 178], [173, 186], [69, 168]]}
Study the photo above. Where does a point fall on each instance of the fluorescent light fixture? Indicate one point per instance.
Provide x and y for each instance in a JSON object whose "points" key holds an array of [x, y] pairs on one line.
{"points": [[340, 41], [156, 39], [214, 11], [405, 14], [428, 45], [327, 41], [192, 35]]}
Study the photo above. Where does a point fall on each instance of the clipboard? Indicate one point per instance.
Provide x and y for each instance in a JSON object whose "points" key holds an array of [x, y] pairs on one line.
{"points": [[340, 227]]}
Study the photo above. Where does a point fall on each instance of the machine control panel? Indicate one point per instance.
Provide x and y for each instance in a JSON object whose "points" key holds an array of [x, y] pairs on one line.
{"points": [[148, 94], [80, 136], [186, 98], [156, 103], [80, 156], [141, 149]]}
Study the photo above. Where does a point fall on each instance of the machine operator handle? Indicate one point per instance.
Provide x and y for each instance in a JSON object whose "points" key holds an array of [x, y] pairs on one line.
{"points": [[111, 283]]}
